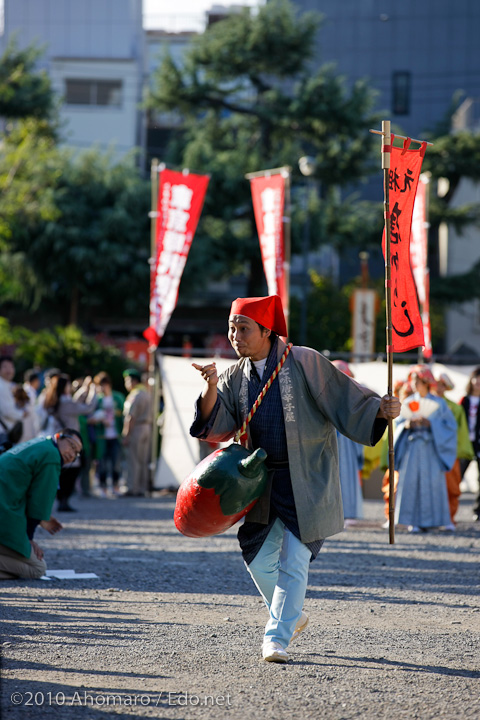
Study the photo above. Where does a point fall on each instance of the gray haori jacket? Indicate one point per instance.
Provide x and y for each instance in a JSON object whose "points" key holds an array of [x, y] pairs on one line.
{"points": [[316, 399]]}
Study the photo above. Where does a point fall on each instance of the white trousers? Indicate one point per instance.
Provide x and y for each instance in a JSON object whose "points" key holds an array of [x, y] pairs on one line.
{"points": [[280, 572]]}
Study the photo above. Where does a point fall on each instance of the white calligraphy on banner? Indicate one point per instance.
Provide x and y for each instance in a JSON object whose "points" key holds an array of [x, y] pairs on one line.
{"points": [[179, 206], [271, 199], [176, 199]]}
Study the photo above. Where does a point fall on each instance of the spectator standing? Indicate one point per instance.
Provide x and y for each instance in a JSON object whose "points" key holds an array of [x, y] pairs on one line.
{"points": [[65, 410], [31, 384], [471, 405], [29, 422], [136, 434], [464, 445], [41, 412], [108, 423], [10, 413]]}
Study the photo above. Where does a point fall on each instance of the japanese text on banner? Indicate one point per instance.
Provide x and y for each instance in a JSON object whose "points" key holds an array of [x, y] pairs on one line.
{"points": [[180, 202], [268, 196], [405, 166]]}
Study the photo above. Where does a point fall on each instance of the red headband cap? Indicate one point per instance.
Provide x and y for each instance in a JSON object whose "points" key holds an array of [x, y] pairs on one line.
{"points": [[422, 372], [266, 311]]}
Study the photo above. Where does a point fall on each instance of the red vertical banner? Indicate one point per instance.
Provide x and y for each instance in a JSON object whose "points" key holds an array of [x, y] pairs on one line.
{"points": [[180, 202], [405, 166], [419, 258], [268, 196]]}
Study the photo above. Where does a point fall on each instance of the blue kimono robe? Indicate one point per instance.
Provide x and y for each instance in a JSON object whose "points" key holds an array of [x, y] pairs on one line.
{"points": [[422, 457], [350, 462]]}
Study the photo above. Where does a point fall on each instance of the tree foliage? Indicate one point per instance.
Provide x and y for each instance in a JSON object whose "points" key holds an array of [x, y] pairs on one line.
{"points": [[74, 230], [95, 252], [25, 91], [454, 157], [250, 101], [65, 347]]}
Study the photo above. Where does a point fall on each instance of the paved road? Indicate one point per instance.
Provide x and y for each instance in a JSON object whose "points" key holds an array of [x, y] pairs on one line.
{"points": [[172, 627]]}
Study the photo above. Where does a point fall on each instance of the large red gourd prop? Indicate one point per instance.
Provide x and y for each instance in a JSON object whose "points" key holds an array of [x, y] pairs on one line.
{"points": [[220, 491], [226, 484]]}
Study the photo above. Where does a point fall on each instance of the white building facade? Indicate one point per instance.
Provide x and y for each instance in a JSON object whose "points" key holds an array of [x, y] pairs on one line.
{"points": [[94, 54]]}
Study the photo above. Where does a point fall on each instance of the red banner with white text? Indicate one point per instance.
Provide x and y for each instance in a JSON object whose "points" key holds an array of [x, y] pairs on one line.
{"points": [[180, 202], [419, 258], [405, 166], [268, 196]]}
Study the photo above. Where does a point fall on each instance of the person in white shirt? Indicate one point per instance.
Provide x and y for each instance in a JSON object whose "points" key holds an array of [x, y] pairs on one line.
{"points": [[9, 412]]}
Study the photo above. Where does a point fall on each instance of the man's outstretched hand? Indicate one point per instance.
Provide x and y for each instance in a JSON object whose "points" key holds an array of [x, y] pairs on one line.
{"points": [[209, 372]]}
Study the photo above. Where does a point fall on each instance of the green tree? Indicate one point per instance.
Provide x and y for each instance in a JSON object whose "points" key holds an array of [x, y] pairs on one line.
{"points": [[65, 347], [455, 157], [30, 168], [85, 250], [74, 229], [25, 91], [250, 101]]}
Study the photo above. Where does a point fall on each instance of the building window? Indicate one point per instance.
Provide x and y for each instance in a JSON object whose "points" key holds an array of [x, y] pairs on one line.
{"points": [[401, 83], [93, 92]]}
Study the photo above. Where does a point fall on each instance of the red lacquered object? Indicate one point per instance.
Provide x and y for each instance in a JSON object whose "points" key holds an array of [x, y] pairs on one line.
{"points": [[220, 491]]}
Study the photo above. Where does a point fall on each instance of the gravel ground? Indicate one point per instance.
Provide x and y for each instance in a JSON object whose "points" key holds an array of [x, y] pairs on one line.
{"points": [[173, 626]]}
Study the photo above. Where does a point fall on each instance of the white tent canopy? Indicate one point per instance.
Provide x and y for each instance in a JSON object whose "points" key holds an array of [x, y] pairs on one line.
{"points": [[182, 384]]}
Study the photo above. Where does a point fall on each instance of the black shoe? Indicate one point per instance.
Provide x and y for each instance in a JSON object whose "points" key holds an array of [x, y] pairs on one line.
{"points": [[65, 507]]}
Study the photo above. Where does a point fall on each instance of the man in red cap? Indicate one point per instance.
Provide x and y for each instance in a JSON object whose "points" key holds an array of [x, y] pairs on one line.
{"points": [[296, 424]]}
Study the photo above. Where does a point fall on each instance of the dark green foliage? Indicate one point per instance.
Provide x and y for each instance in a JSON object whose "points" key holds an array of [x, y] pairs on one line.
{"points": [[75, 230], [455, 158], [328, 318], [25, 91], [67, 348], [250, 101]]}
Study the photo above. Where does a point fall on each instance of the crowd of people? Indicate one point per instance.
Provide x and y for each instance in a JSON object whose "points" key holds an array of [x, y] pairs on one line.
{"points": [[58, 436], [435, 441], [115, 427]]}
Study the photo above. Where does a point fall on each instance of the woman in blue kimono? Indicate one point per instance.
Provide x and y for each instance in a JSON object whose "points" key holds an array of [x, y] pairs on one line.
{"points": [[350, 462], [425, 448]]}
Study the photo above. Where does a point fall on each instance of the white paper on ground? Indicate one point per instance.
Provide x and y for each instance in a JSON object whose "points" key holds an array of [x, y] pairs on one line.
{"points": [[68, 575]]}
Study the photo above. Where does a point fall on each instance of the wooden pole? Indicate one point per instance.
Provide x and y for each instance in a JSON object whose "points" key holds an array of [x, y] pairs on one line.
{"points": [[267, 173], [386, 154], [380, 132], [153, 377]]}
